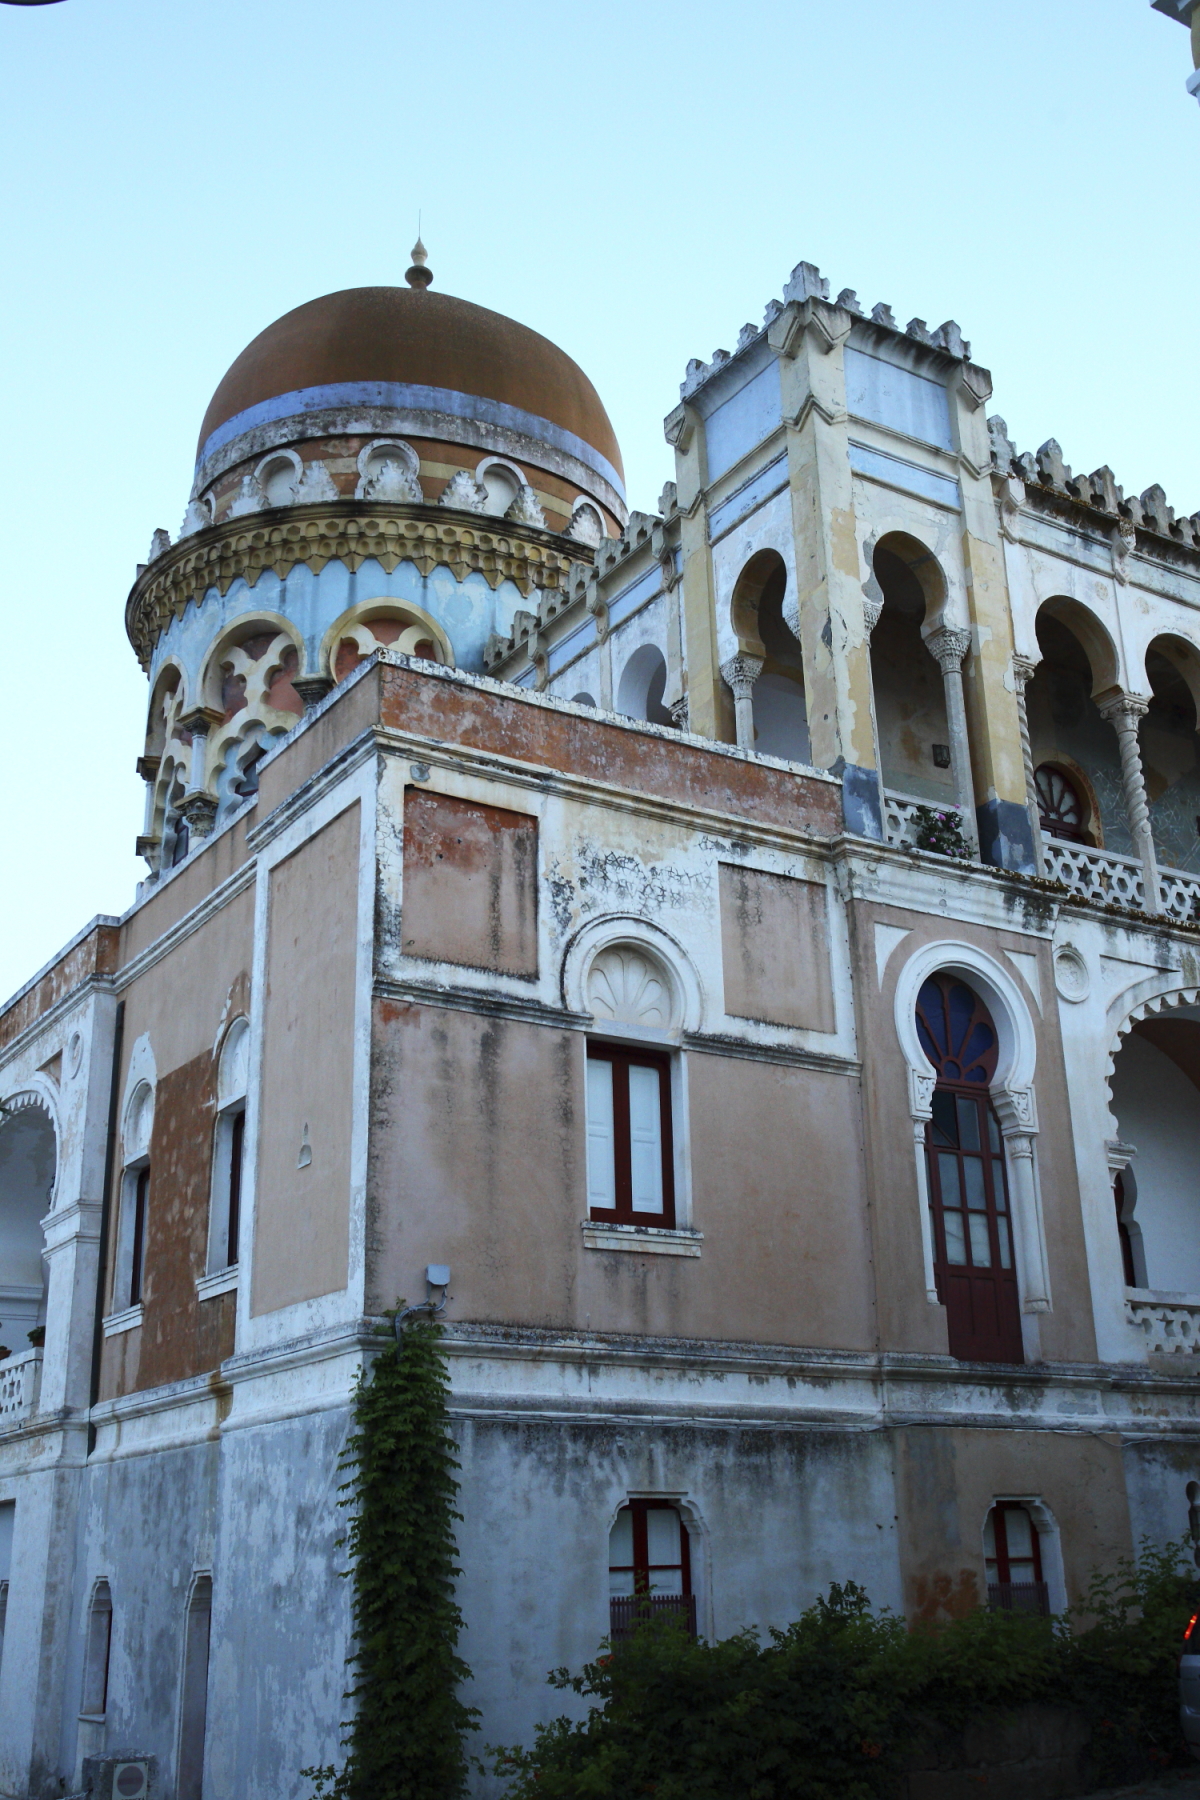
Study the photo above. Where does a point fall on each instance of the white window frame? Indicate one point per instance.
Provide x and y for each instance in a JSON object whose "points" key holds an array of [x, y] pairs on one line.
{"points": [[232, 1095]]}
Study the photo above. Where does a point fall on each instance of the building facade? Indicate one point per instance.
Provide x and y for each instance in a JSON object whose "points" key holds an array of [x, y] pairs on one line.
{"points": [[754, 946]]}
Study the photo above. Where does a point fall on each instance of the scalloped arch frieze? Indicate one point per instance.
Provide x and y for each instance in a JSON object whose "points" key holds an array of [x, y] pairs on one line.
{"points": [[340, 532]]}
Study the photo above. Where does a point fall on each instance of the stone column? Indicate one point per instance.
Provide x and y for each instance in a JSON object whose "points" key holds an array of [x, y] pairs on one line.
{"points": [[1023, 669], [1123, 712], [950, 645], [740, 674], [149, 842], [198, 806]]}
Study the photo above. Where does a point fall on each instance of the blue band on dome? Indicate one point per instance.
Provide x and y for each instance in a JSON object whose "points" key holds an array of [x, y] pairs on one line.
{"points": [[401, 396]]}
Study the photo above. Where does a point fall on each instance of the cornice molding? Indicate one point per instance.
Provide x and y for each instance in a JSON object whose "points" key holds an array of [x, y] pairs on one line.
{"points": [[344, 531]]}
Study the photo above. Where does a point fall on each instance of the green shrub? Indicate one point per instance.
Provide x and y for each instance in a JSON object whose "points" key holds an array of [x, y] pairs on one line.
{"points": [[831, 1708]]}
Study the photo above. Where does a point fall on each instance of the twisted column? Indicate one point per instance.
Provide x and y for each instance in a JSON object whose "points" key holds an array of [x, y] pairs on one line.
{"points": [[1123, 711], [740, 674], [950, 645], [1023, 669]]}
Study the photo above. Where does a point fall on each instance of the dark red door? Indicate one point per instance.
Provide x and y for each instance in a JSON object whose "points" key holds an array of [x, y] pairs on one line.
{"points": [[968, 1186]]}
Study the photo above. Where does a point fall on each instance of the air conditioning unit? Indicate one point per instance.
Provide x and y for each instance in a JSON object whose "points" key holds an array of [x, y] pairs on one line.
{"points": [[128, 1775]]}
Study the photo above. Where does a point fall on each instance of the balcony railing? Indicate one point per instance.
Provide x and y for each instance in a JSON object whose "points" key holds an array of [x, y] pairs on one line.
{"points": [[1179, 895], [1095, 874], [1167, 1327], [627, 1611], [1019, 1597], [20, 1385]]}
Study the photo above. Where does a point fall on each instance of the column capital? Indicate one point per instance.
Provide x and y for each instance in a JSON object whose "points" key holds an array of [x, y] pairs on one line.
{"points": [[312, 689], [1120, 708], [200, 720], [1024, 669], [949, 644], [148, 767], [200, 811], [741, 672]]}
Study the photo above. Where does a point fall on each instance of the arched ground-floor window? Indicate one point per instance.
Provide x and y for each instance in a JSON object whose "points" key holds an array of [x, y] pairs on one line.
{"points": [[1013, 1554], [649, 1568]]}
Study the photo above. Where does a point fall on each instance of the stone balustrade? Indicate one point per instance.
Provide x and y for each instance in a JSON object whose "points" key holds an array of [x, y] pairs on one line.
{"points": [[20, 1387], [1168, 1325], [1098, 875]]}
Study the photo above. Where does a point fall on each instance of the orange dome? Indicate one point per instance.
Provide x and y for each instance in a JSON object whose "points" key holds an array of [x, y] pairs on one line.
{"points": [[370, 342]]}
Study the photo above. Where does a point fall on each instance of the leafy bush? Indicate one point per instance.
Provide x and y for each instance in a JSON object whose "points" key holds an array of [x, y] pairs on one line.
{"points": [[831, 1708], [406, 1740], [940, 831]]}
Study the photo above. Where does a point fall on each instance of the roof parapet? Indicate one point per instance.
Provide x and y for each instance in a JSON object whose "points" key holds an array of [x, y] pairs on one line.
{"points": [[1047, 472]]}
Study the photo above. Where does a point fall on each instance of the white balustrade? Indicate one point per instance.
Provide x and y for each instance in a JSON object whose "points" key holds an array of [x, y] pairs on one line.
{"points": [[1179, 895], [1168, 1327], [1095, 874], [902, 815], [20, 1385]]}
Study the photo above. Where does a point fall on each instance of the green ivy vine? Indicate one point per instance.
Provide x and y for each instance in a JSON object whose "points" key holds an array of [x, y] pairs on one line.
{"points": [[407, 1738]]}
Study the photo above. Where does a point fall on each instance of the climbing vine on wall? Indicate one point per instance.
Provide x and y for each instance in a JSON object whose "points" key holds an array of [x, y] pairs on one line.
{"points": [[407, 1739]]}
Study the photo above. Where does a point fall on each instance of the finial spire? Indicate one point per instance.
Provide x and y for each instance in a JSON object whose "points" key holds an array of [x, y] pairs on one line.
{"points": [[418, 276]]}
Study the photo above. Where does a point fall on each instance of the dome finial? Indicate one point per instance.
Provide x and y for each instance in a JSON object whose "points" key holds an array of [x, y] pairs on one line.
{"points": [[418, 276]]}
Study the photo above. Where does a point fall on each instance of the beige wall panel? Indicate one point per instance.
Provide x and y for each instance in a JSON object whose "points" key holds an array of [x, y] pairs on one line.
{"points": [[302, 1216], [907, 1320], [185, 890], [478, 1160], [470, 883], [185, 1000], [775, 948], [947, 1479], [356, 708]]}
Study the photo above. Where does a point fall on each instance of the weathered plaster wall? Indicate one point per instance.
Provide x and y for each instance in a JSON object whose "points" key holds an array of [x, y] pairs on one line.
{"points": [[302, 1192], [775, 948], [470, 883]]}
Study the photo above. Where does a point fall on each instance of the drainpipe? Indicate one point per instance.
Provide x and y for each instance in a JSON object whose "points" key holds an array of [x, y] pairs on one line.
{"points": [[110, 1160]]}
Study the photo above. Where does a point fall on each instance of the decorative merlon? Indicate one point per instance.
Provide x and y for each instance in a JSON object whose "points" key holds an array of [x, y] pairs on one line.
{"points": [[807, 287], [1046, 472]]}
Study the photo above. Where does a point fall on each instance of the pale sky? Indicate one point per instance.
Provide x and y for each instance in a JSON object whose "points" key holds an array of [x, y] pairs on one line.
{"points": [[634, 181]]}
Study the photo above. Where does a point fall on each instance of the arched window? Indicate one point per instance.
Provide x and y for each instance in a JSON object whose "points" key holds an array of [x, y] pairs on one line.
{"points": [[649, 1568], [225, 1209], [94, 1703], [193, 1712], [642, 685], [129, 1281], [1013, 1555], [968, 1185], [1061, 811]]}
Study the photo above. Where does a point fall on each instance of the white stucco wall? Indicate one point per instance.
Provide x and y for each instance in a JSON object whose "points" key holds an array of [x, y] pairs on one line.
{"points": [[1158, 1109]]}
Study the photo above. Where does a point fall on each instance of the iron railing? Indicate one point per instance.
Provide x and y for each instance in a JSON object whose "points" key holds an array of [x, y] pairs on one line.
{"points": [[627, 1611], [1019, 1597]]}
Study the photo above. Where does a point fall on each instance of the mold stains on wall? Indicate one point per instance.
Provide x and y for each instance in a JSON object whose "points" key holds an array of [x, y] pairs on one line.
{"points": [[470, 884], [775, 948], [302, 1208]]}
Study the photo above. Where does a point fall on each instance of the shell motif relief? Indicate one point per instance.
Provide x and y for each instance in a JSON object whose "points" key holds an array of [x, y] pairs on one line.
{"points": [[626, 986]]}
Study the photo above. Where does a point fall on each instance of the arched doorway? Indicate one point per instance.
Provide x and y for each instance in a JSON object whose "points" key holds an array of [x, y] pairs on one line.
{"points": [[974, 1264], [757, 615], [27, 1173], [1080, 794]]}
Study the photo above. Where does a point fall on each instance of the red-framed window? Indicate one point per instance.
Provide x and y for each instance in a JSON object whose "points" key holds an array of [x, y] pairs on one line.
{"points": [[137, 1264], [968, 1184], [1061, 810], [1013, 1555], [649, 1568], [630, 1156]]}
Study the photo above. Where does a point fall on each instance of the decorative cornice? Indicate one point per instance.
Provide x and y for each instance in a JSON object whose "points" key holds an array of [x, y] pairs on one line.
{"points": [[342, 531]]}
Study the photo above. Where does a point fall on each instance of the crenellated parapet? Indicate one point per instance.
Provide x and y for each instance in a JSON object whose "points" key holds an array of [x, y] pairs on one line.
{"points": [[1045, 473]]}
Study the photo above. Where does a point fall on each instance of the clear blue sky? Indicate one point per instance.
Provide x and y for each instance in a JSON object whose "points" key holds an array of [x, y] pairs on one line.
{"points": [[634, 181]]}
